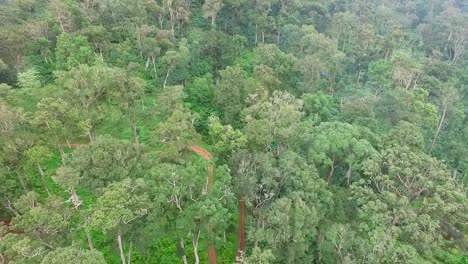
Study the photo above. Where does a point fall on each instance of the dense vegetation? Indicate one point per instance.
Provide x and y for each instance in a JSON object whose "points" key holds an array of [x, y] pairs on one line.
{"points": [[166, 131]]}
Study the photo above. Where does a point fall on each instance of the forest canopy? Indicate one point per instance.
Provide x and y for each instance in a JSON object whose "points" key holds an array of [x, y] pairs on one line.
{"points": [[233, 131]]}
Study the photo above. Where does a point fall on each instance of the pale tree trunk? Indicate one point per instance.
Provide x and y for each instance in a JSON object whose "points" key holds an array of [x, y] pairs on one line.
{"points": [[28, 182], [62, 153], [195, 248], [173, 30], [258, 226], [348, 173], [358, 79], [439, 127], [90, 241], [165, 79], [154, 67], [217, 75], [22, 183], [41, 174], [147, 63], [75, 199], [100, 54], [256, 34], [182, 246], [90, 135], [332, 170], [213, 22], [122, 256], [9, 206], [133, 122], [130, 253]]}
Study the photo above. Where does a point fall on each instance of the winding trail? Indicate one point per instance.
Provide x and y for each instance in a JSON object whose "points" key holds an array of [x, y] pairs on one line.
{"points": [[241, 236], [210, 179]]}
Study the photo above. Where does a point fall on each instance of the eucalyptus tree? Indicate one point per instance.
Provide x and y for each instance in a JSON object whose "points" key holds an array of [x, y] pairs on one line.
{"points": [[120, 204], [73, 255], [104, 161]]}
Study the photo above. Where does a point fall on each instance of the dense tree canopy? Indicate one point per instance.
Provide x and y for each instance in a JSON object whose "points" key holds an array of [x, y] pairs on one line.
{"points": [[233, 131]]}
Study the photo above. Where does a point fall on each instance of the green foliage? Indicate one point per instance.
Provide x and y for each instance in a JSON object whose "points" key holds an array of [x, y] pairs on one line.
{"points": [[72, 51], [106, 160], [121, 203], [225, 139], [73, 255], [336, 130], [200, 99], [29, 79]]}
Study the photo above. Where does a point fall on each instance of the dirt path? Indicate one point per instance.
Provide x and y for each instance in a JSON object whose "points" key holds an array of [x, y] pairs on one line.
{"points": [[210, 179], [202, 152], [241, 235]]}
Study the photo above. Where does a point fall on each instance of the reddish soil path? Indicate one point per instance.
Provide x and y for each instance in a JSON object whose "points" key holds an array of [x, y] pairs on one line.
{"points": [[202, 152], [210, 180], [241, 235], [207, 155]]}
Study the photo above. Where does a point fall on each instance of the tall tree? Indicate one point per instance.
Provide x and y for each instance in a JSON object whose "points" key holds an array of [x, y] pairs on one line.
{"points": [[120, 204], [106, 160]]}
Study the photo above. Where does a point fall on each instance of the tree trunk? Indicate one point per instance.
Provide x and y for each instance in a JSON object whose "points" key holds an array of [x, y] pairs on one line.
{"points": [[22, 183], [62, 153], [182, 246], [75, 199], [41, 174], [90, 241], [195, 248], [332, 170], [147, 63], [133, 122], [348, 173], [172, 29], [100, 54], [258, 226], [10, 207], [90, 134], [28, 182], [213, 22], [165, 79], [256, 34], [130, 253], [217, 75], [358, 78], [439, 127], [263, 36], [154, 67], [122, 256]]}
